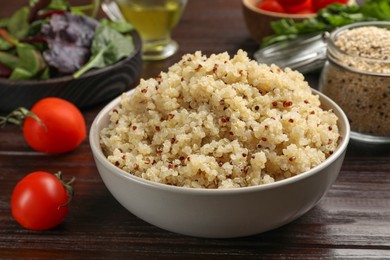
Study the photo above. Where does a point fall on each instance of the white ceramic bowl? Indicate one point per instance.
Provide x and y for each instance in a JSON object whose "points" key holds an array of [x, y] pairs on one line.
{"points": [[222, 213]]}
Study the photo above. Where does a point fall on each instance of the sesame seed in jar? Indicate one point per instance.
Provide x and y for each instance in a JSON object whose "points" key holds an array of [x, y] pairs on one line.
{"points": [[369, 42]]}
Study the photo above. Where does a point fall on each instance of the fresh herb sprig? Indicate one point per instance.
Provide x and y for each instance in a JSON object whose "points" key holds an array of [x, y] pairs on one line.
{"points": [[328, 19]]}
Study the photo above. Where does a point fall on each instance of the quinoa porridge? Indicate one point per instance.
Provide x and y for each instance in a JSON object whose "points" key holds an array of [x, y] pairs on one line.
{"points": [[220, 122]]}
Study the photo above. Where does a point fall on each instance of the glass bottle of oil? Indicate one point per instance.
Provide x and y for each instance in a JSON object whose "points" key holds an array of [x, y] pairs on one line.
{"points": [[154, 20]]}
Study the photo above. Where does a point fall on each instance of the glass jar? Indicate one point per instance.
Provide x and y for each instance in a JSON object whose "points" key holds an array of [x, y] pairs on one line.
{"points": [[356, 76]]}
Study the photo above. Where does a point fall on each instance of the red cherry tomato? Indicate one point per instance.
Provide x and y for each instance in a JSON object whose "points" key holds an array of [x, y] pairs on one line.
{"points": [[62, 127], [271, 5], [40, 201], [303, 8], [319, 4], [290, 2]]}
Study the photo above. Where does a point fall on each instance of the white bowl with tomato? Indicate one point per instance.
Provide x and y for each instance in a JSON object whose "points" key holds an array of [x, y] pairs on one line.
{"points": [[259, 14]]}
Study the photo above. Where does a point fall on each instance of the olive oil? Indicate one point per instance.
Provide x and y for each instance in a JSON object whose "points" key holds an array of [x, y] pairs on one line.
{"points": [[153, 22]]}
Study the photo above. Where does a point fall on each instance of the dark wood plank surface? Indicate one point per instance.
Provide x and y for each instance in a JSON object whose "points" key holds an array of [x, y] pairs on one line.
{"points": [[351, 222]]}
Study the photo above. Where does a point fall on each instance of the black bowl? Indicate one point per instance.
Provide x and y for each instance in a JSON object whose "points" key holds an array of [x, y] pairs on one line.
{"points": [[91, 88]]}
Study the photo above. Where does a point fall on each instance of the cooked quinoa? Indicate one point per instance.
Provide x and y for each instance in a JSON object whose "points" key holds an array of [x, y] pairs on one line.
{"points": [[220, 122]]}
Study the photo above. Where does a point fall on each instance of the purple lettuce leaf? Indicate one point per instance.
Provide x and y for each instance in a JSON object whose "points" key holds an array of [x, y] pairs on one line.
{"points": [[69, 38]]}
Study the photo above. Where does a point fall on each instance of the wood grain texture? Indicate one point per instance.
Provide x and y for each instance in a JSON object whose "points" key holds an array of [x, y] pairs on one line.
{"points": [[351, 222]]}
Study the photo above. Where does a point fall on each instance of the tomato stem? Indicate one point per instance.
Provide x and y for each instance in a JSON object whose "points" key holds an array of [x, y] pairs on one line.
{"points": [[68, 187], [18, 116]]}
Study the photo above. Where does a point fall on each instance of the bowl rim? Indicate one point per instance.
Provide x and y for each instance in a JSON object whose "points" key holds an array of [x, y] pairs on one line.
{"points": [[250, 5], [99, 156], [91, 73]]}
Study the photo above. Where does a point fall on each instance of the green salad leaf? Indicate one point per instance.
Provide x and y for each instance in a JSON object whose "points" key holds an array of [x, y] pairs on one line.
{"points": [[27, 63], [30, 62], [120, 26], [4, 22], [4, 45], [9, 60], [59, 5], [328, 19], [108, 47], [92, 9], [18, 23]]}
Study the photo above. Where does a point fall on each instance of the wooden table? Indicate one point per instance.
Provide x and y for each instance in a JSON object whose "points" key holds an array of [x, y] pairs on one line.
{"points": [[351, 222]]}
